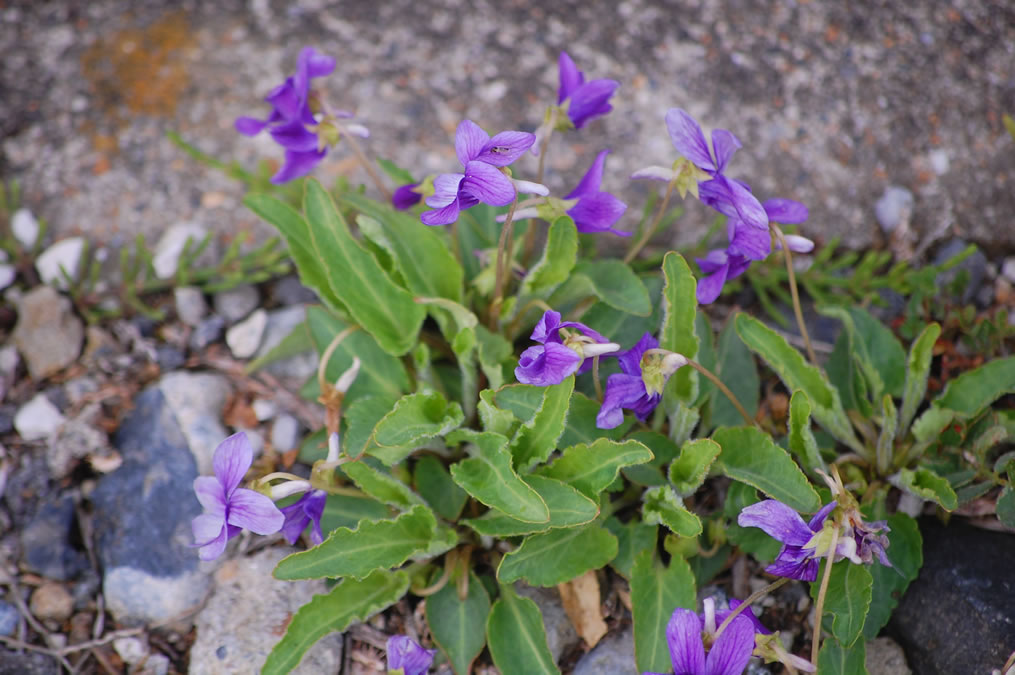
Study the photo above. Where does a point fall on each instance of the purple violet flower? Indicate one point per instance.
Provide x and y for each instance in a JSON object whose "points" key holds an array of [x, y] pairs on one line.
{"points": [[729, 653], [554, 358], [585, 100], [405, 197], [407, 657], [639, 386], [596, 210], [229, 509], [306, 510], [482, 181]]}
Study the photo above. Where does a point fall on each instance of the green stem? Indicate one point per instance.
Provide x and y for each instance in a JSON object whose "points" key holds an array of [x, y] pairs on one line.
{"points": [[650, 230], [364, 162], [503, 264], [754, 597], [820, 607], [725, 390], [797, 311], [529, 245]]}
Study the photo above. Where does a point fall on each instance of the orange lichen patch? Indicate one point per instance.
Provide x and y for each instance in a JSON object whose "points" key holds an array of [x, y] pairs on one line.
{"points": [[142, 68]]}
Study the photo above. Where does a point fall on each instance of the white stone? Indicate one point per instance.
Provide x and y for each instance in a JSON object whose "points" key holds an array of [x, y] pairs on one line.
{"points": [[8, 273], [939, 161], [237, 302], [64, 255], [1008, 269], [170, 247], [155, 664], [131, 649], [190, 304], [282, 322], [37, 419], [894, 207], [25, 228], [197, 400], [285, 433], [245, 337], [264, 409]]}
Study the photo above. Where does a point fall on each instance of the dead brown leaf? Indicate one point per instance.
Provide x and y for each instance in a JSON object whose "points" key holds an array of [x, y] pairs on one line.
{"points": [[581, 602]]}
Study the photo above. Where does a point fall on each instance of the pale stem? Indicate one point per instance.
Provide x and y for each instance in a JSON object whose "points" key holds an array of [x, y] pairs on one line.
{"points": [[362, 159], [322, 382], [647, 234], [529, 245], [503, 263], [820, 607], [796, 295], [595, 378], [754, 597], [724, 389]]}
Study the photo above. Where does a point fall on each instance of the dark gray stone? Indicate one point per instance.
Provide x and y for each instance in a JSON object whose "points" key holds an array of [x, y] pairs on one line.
{"points": [[46, 541], [289, 291], [974, 267], [207, 332], [142, 518], [27, 663], [169, 358], [614, 655], [956, 617], [8, 618]]}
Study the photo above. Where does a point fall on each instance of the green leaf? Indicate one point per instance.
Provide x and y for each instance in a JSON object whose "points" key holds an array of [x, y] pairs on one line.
{"points": [[929, 425], [1005, 506], [418, 417], [558, 258], [350, 601], [517, 637], [568, 508], [537, 438], [477, 230], [663, 506], [846, 376], [494, 351], [349, 510], [580, 426], [736, 369], [622, 327], [459, 626], [426, 264], [434, 484], [796, 374], [396, 173], [553, 557], [383, 309], [590, 468], [677, 331], [750, 540], [664, 450], [969, 393], [381, 486], [926, 484], [495, 419], [847, 600], [296, 342], [489, 477], [881, 355], [886, 439], [834, 659], [614, 283], [632, 538], [749, 456], [655, 592], [917, 370], [689, 471], [357, 553], [801, 439], [360, 419], [905, 551]]}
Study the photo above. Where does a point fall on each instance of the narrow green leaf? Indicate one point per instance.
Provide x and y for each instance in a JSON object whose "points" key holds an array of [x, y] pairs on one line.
{"points": [[553, 557], [834, 659], [632, 538], [677, 332], [736, 369], [568, 508], [926, 484], [537, 438], [796, 374], [590, 468], [847, 600], [357, 553], [383, 309], [1005, 507], [749, 456], [881, 355], [886, 439], [350, 601], [418, 417], [931, 423], [662, 506], [493, 351], [689, 471], [517, 636], [349, 510], [381, 486], [616, 284], [905, 551], [969, 393], [459, 626], [558, 258], [655, 592], [489, 477], [434, 484], [917, 371], [801, 439]]}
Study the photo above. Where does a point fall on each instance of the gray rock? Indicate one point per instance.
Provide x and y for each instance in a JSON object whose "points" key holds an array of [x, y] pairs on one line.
{"points": [[48, 335], [28, 663], [169, 358], [75, 440], [245, 337], [894, 207], [63, 256], [282, 322], [46, 541], [614, 655], [560, 633], [25, 228], [289, 291], [264, 409], [974, 267], [9, 617], [37, 419], [245, 617], [190, 304], [166, 256], [1008, 269], [196, 401], [956, 617], [80, 387], [142, 521], [131, 649], [885, 657], [206, 332], [8, 368], [8, 273], [156, 664], [237, 302], [285, 433]]}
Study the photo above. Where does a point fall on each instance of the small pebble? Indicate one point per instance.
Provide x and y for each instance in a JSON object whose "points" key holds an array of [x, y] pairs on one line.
{"points": [[8, 273], [264, 409], [131, 649], [894, 206], [939, 161], [166, 256], [289, 291], [1008, 269], [37, 419], [245, 337], [285, 433], [51, 602], [237, 302], [8, 618], [169, 358], [207, 332], [157, 664], [190, 305], [62, 257], [25, 228]]}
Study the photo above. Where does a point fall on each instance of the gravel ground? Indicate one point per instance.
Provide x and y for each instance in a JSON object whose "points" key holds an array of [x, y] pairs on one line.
{"points": [[834, 102]]}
